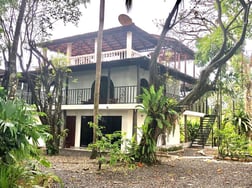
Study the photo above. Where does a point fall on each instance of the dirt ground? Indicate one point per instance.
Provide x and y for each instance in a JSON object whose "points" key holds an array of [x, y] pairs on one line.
{"points": [[192, 167]]}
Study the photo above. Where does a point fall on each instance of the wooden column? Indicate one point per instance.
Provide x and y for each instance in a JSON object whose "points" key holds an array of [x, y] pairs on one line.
{"points": [[129, 44]]}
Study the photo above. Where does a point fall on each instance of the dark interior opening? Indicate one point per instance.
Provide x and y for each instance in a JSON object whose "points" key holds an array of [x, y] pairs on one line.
{"points": [[106, 90], [110, 124]]}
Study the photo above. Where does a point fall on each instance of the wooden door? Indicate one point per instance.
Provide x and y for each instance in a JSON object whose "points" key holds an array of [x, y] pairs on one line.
{"points": [[70, 125]]}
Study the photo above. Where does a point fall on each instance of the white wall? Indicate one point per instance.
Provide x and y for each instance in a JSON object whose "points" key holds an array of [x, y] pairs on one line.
{"points": [[127, 124], [127, 121], [121, 76]]}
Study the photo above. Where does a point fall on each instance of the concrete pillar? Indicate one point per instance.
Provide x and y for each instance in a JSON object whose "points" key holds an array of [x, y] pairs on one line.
{"points": [[77, 131], [129, 44]]}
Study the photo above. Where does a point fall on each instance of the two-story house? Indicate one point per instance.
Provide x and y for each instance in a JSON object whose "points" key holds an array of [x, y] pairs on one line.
{"points": [[126, 52]]}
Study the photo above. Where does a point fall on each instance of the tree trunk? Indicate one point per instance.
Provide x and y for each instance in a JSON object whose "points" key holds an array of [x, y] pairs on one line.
{"points": [[248, 91], [154, 78], [221, 57], [12, 80], [98, 73]]}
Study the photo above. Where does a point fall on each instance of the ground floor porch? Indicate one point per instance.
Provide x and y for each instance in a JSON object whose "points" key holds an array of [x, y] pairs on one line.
{"points": [[113, 118]]}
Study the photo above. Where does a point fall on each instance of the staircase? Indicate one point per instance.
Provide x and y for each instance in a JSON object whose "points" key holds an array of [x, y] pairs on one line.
{"points": [[206, 126]]}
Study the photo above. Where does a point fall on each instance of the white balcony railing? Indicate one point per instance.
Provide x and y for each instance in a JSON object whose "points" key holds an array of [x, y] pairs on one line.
{"points": [[106, 56]]}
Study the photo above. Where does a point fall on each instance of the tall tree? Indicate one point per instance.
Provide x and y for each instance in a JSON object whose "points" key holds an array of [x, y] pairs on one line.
{"points": [[98, 73], [13, 14], [46, 85], [230, 25], [156, 126], [10, 77], [227, 34], [218, 28], [170, 21]]}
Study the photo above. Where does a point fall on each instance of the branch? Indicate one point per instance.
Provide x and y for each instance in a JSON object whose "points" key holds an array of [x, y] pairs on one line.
{"points": [[224, 32], [238, 44]]}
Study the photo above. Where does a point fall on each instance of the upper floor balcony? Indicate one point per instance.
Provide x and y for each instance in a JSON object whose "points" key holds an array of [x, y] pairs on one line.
{"points": [[106, 56], [127, 41], [84, 96]]}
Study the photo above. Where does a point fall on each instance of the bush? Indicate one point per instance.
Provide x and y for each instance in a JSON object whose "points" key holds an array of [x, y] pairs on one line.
{"points": [[108, 147], [231, 143], [192, 129], [19, 153]]}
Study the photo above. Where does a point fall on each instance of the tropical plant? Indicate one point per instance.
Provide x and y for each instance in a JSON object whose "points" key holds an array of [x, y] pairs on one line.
{"points": [[192, 129], [108, 147], [232, 144], [241, 122], [20, 132], [228, 31], [160, 115]]}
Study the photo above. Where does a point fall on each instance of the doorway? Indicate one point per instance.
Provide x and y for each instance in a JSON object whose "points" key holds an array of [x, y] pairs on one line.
{"points": [[70, 125], [110, 124], [106, 90]]}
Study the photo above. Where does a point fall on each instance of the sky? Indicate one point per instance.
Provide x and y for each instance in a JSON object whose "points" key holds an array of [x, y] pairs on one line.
{"points": [[142, 14]]}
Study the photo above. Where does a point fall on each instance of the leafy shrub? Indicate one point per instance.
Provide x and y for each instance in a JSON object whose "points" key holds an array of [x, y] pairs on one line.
{"points": [[192, 129], [19, 153], [108, 147], [19, 131], [160, 114], [231, 143]]}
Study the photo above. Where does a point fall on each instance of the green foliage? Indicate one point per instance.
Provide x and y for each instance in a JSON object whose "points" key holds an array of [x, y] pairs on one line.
{"points": [[19, 153], [157, 107], [241, 122], [208, 46], [108, 147], [2, 93], [192, 129], [25, 174], [159, 111], [231, 143], [147, 147], [131, 149], [19, 130]]}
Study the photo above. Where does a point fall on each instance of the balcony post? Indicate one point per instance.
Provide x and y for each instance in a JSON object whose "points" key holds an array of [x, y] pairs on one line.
{"points": [[69, 51], [129, 44], [138, 82], [108, 89]]}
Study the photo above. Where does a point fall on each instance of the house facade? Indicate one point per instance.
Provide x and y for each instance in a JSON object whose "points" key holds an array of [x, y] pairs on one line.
{"points": [[125, 70]]}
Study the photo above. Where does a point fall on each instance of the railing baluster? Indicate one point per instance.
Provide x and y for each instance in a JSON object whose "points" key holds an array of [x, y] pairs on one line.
{"points": [[106, 56], [122, 94]]}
